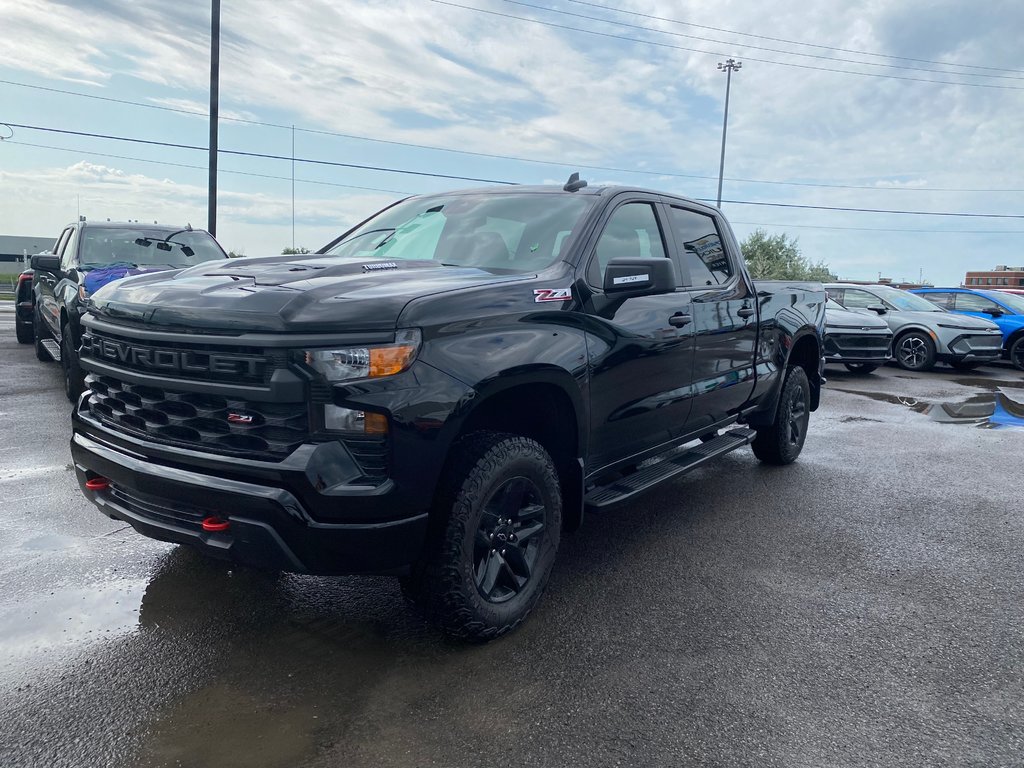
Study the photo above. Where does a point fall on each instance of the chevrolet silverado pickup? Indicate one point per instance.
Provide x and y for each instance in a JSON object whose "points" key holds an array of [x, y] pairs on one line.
{"points": [[441, 392]]}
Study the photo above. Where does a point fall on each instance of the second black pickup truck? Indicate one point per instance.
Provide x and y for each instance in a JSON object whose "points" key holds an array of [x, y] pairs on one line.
{"points": [[442, 391]]}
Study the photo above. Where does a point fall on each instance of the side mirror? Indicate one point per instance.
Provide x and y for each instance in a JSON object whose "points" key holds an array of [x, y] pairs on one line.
{"points": [[995, 312], [639, 277], [46, 262], [879, 308]]}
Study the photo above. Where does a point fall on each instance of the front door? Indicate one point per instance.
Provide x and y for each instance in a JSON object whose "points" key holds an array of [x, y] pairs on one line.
{"points": [[640, 349]]}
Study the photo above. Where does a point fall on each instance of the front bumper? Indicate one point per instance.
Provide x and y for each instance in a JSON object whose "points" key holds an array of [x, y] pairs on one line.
{"points": [[972, 347], [272, 524], [857, 346]]}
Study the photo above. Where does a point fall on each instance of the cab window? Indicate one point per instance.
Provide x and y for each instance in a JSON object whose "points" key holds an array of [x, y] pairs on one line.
{"points": [[67, 259], [631, 232], [856, 299], [702, 255]]}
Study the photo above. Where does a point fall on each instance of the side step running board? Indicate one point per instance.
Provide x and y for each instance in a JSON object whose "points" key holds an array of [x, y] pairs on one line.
{"points": [[53, 348], [677, 462]]}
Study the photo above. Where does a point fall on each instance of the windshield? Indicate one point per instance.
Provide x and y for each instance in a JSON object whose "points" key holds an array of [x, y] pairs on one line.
{"points": [[503, 233], [144, 247], [1012, 302], [903, 300]]}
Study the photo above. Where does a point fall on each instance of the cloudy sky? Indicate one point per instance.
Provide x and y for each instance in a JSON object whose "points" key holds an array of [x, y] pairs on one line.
{"points": [[895, 105]]}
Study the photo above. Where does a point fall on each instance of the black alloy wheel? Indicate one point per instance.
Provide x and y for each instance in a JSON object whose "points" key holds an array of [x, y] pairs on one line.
{"points": [[508, 540], [1016, 353], [915, 351], [782, 441]]}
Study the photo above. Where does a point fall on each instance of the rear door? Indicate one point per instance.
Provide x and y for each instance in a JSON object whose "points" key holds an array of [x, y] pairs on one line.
{"points": [[640, 349], [724, 312]]}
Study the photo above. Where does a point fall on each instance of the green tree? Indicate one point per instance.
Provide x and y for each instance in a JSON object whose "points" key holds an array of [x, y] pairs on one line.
{"points": [[778, 257], [294, 251]]}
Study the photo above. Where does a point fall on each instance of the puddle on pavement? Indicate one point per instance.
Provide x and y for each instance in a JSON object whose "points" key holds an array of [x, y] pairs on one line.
{"points": [[66, 619], [989, 410]]}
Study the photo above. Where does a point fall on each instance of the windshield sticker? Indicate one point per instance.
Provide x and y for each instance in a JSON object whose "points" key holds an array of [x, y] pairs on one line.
{"points": [[630, 279], [552, 294]]}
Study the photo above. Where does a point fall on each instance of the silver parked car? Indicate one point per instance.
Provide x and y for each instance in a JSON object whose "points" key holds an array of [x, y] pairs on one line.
{"points": [[923, 333], [858, 341]]}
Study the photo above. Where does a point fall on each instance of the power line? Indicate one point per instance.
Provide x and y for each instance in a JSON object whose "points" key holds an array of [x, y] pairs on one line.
{"points": [[719, 54], [755, 47], [494, 156], [202, 167], [240, 153], [885, 229], [488, 181], [792, 42]]}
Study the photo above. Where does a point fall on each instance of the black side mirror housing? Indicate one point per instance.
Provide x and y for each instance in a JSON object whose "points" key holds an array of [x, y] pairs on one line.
{"points": [[46, 262], [639, 277], [879, 308], [995, 312]]}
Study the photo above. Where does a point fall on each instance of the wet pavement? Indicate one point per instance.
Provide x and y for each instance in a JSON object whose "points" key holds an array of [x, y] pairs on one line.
{"points": [[861, 607]]}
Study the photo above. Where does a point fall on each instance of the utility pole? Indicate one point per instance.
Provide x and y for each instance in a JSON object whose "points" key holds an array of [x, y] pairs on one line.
{"points": [[293, 187], [729, 66], [211, 204]]}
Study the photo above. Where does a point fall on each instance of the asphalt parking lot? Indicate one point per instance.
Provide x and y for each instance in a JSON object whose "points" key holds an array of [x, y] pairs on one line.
{"points": [[861, 607]]}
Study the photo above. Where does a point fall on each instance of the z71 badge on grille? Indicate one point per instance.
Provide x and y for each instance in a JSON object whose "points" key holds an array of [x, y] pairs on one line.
{"points": [[552, 294], [241, 418]]}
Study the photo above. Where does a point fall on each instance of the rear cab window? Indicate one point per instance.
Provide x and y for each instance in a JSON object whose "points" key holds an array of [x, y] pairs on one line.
{"points": [[702, 256]]}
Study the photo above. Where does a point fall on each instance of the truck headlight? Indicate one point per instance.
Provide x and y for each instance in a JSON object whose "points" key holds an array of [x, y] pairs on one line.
{"points": [[370, 362]]}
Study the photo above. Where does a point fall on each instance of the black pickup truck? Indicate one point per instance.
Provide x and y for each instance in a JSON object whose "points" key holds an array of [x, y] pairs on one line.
{"points": [[443, 390], [86, 256]]}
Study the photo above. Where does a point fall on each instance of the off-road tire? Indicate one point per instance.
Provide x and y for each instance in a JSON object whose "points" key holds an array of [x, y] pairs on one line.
{"points": [[864, 368], [443, 584], [40, 333], [782, 440], [74, 377]]}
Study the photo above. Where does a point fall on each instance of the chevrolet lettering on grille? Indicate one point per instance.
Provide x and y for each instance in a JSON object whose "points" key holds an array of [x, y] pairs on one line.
{"points": [[182, 361]]}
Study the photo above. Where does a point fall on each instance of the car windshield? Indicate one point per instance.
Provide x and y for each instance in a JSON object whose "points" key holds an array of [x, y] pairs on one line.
{"points": [[144, 247], [1014, 303], [509, 233], [903, 300]]}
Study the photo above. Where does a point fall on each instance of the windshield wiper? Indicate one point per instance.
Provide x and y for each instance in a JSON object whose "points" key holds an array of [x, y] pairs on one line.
{"points": [[363, 234]]}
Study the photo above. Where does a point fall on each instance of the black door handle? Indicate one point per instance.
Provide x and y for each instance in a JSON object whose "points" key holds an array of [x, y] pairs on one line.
{"points": [[745, 311], [679, 320]]}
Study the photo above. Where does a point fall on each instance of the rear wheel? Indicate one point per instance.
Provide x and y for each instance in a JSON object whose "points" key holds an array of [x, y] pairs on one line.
{"points": [[860, 367], [915, 351], [40, 333], [496, 532], [1016, 353], [782, 440]]}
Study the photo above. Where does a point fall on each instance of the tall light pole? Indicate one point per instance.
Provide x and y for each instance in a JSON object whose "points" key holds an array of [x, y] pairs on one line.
{"points": [[211, 204], [730, 66]]}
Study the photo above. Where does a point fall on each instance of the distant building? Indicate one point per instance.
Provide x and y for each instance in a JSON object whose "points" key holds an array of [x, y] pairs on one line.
{"points": [[1000, 277], [14, 249]]}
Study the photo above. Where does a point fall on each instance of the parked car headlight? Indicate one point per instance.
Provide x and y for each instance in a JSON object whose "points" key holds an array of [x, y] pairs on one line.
{"points": [[370, 362]]}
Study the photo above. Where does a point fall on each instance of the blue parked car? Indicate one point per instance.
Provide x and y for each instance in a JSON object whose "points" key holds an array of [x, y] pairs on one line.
{"points": [[1005, 309]]}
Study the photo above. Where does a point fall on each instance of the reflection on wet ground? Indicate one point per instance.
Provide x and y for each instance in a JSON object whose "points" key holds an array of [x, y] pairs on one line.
{"points": [[999, 409]]}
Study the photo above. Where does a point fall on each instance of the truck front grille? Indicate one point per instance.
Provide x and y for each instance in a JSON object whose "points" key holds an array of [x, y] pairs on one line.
{"points": [[199, 421]]}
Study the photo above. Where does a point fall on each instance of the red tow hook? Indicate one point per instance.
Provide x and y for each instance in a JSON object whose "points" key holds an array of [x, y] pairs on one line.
{"points": [[215, 524], [97, 483]]}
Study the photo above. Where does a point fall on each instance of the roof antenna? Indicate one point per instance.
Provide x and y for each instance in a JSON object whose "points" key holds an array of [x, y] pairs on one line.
{"points": [[575, 183]]}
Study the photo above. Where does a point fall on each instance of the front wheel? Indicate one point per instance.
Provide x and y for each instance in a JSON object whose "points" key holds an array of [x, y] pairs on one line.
{"points": [[782, 440], [496, 530], [860, 367], [1016, 353], [40, 333], [74, 378], [915, 351]]}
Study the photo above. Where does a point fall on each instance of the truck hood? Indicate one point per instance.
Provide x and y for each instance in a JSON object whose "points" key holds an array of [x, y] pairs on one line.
{"points": [[285, 293]]}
